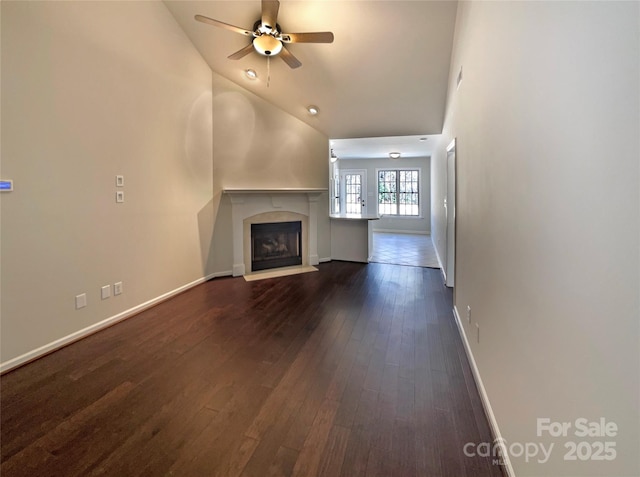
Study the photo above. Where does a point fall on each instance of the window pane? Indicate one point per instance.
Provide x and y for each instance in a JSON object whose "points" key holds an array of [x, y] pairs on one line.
{"points": [[353, 188], [398, 192]]}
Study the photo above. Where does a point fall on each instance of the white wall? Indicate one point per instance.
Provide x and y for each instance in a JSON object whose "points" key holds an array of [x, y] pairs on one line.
{"points": [[256, 145], [91, 90], [95, 89], [548, 217], [418, 225]]}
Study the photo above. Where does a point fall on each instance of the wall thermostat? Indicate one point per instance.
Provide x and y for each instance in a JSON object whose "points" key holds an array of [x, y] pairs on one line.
{"points": [[6, 186]]}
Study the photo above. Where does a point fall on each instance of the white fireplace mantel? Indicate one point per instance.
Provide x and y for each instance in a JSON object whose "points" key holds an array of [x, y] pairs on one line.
{"points": [[246, 203]]}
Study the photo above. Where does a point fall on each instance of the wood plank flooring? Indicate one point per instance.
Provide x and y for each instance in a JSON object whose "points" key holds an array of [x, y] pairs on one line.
{"points": [[356, 370]]}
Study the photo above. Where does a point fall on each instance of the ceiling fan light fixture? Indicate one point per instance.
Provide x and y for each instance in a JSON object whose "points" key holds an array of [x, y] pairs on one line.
{"points": [[313, 110], [251, 74], [267, 45], [394, 155]]}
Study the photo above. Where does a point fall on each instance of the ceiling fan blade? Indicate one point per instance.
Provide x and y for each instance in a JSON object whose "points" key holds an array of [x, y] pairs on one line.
{"points": [[315, 37], [241, 53], [289, 59], [226, 26], [270, 13]]}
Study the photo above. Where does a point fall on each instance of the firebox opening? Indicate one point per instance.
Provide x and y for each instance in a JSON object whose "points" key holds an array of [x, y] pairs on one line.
{"points": [[275, 245]]}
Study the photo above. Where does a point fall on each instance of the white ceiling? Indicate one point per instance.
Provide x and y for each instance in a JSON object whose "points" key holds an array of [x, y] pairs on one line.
{"points": [[385, 75], [380, 147]]}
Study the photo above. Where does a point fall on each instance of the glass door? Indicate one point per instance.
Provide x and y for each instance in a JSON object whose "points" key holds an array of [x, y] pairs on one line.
{"points": [[353, 188]]}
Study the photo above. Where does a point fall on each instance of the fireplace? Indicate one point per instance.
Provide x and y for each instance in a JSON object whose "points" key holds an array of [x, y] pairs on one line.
{"points": [[259, 206], [275, 245]]}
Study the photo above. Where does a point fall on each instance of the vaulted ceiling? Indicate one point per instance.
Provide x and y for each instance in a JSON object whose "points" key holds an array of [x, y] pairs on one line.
{"points": [[385, 74]]}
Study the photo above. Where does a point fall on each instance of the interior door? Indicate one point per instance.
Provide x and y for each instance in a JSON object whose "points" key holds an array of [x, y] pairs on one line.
{"points": [[353, 185], [450, 210]]}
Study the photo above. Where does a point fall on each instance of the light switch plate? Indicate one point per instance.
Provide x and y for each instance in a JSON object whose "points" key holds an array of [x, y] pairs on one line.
{"points": [[120, 196], [81, 301], [105, 292], [119, 181]]}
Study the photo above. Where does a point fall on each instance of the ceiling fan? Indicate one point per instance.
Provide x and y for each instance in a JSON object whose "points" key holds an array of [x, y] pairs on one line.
{"points": [[268, 39]]}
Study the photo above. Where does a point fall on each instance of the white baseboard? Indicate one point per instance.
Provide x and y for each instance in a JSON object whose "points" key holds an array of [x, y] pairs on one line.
{"points": [[238, 269], [495, 430], [59, 343], [324, 260], [224, 273], [444, 272]]}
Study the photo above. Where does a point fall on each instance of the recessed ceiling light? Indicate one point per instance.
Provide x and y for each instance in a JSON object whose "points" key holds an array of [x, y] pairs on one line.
{"points": [[394, 155], [313, 110], [251, 74]]}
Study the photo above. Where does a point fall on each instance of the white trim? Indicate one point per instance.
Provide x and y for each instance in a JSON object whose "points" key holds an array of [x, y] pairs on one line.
{"points": [[421, 215], [364, 190], [325, 260], [224, 273], [78, 335], [280, 190], [486, 404], [444, 272], [238, 269], [248, 203]]}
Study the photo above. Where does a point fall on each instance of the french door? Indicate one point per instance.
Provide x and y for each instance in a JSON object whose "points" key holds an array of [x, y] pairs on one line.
{"points": [[353, 191]]}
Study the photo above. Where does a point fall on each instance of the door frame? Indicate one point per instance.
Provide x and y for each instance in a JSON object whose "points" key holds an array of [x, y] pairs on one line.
{"points": [[451, 199], [363, 192]]}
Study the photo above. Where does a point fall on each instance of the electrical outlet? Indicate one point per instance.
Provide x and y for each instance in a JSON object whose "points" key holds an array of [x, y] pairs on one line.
{"points": [[477, 333], [105, 292], [117, 288], [81, 301], [468, 314]]}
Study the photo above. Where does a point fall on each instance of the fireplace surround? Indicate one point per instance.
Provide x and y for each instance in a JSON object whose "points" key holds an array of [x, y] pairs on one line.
{"points": [[252, 206]]}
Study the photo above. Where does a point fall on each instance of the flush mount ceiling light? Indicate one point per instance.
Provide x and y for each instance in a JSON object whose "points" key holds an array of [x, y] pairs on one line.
{"points": [[251, 74], [394, 155], [267, 45], [313, 110]]}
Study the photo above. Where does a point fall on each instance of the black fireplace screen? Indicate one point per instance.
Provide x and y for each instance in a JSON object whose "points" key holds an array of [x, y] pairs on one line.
{"points": [[274, 245]]}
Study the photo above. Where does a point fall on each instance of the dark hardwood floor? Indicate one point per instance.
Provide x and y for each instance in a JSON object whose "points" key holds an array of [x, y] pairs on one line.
{"points": [[354, 370]]}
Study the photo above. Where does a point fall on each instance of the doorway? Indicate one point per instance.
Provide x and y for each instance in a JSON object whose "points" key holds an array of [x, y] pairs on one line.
{"points": [[450, 213], [353, 191]]}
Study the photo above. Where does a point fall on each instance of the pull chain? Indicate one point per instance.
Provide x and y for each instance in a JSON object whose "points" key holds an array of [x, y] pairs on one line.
{"points": [[268, 70]]}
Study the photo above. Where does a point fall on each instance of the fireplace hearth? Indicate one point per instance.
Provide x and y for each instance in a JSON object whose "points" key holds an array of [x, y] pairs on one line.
{"points": [[275, 245]]}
